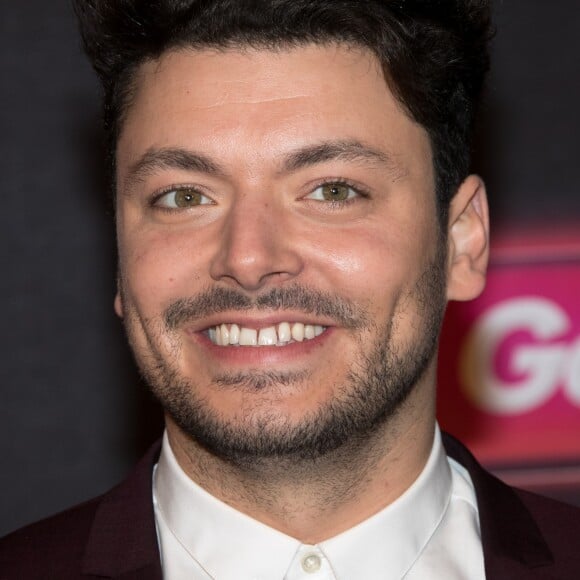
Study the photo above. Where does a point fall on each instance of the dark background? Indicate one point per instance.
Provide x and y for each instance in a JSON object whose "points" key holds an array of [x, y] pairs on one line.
{"points": [[73, 415]]}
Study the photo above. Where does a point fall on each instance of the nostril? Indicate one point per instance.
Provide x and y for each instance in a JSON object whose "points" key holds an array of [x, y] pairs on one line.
{"points": [[253, 267]]}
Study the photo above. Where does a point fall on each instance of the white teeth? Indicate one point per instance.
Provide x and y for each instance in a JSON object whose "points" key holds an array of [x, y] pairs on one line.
{"points": [[234, 334], [248, 337], [279, 335], [267, 336], [284, 332], [225, 333], [298, 332], [212, 335]]}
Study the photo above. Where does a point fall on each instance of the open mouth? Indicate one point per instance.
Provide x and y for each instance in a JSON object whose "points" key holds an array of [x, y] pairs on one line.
{"points": [[281, 334]]}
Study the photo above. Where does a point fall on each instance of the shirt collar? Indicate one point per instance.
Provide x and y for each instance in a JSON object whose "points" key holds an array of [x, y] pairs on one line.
{"points": [[395, 537], [391, 540]]}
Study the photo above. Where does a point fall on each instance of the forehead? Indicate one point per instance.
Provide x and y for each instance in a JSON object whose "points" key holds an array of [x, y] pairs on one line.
{"points": [[254, 73], [269, 98]]}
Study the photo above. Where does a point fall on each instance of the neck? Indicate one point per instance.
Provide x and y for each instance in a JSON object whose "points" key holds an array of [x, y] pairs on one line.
{"points": [[313, 500]]}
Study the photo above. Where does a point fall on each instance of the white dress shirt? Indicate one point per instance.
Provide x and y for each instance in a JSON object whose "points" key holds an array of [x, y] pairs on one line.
{"points": [[430, 532]]}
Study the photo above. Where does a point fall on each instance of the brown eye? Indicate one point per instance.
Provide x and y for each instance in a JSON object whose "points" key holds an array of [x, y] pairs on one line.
{"points": [[333, 192], [181, 198], [187, 197]]}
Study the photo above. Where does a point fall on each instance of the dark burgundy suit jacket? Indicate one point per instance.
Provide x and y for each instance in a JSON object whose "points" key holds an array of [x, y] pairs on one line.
{"points": [[113, 536]]}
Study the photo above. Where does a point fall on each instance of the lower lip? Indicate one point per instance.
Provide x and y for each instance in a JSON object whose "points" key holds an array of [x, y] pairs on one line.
{"points": [[262, 355]]}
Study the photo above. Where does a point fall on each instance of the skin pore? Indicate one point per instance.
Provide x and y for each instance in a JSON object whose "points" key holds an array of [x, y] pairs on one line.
{"points": [[261, 189]]}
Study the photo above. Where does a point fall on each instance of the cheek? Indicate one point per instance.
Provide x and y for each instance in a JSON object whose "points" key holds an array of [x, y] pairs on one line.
{"points": [[362, 260], [156, 268]]}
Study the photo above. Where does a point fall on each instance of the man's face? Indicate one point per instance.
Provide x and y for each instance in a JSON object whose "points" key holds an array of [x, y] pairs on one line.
{"points": [[282, 198]]}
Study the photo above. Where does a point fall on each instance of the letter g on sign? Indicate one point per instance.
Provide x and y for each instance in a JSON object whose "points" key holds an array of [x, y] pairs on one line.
{"points": [[538, 367]]}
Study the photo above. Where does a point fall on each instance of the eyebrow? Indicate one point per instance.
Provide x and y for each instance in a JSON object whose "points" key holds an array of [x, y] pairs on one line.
{"points": [[340, 150], [337, 150], [171, 158]]}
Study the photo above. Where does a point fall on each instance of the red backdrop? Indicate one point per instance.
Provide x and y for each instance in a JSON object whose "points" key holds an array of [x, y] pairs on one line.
{"points": [[509, 375]]}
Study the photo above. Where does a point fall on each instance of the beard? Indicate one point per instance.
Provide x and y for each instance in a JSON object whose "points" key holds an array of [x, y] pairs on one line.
{"points": [[371, 393]]}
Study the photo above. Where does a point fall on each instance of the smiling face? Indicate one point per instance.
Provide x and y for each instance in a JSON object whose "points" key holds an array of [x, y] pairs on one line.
{"points": [[282, 276]]}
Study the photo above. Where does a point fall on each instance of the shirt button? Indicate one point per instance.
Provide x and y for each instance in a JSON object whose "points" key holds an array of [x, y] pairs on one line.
{"points": [[311, 563]]}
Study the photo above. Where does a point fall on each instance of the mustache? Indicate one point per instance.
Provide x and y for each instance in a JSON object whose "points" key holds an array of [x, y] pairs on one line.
{"points": [[217, 300]]}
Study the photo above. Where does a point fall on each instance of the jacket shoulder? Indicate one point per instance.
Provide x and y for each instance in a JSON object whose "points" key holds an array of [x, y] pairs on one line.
{"points": [[112, 535], [50, 549], [559, 523], [524, 535]]}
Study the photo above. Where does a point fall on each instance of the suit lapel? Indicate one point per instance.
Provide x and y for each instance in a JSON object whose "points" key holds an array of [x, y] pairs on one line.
{"points": [[513, 545], [123, 540]]}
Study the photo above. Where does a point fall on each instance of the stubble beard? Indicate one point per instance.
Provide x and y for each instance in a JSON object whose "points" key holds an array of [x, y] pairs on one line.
{"points": [[372, 393]]}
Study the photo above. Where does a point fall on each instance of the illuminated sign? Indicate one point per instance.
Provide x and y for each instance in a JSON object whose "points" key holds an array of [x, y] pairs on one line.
{"points": [[509, 366], [529, 373]]}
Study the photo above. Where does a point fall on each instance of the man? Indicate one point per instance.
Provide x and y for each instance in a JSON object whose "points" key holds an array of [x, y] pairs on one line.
{"points": [[294, 210]]}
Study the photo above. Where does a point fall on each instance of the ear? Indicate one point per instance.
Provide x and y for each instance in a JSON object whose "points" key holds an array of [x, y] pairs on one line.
{"points": [[468, 240], [118, 302]]}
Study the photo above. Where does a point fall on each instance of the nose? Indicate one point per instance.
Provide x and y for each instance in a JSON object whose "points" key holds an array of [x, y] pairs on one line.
{"points": [[256, 246]]}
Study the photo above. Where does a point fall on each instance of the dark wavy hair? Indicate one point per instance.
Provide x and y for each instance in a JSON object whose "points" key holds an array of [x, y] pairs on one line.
{"points": [[434, 53]]}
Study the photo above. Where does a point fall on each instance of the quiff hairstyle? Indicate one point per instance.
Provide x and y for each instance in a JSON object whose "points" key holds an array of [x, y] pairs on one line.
{"points": [[434, 54]]}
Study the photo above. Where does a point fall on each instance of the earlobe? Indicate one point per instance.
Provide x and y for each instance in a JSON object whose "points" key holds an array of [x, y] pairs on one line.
{"points": [[118, 304], [468, 240]]}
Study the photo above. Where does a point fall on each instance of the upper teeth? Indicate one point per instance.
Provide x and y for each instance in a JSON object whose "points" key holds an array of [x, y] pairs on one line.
{"points": [[283, 333]]}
